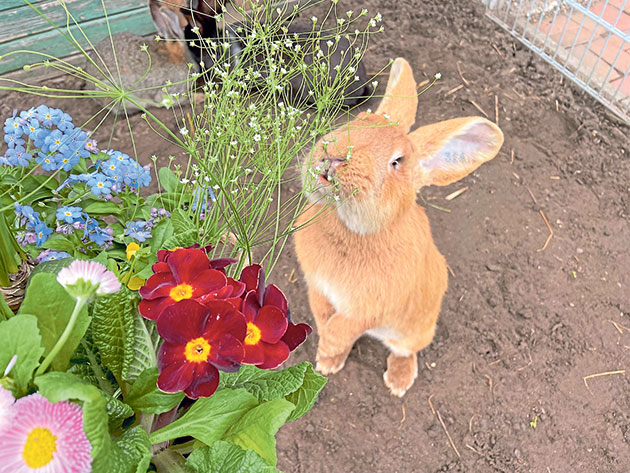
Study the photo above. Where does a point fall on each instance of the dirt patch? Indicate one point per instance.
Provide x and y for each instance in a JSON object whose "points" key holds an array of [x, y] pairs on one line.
{"points": [[521, 326]]}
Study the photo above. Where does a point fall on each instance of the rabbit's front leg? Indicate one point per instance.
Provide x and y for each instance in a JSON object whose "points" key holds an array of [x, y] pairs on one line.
{"points": [[336, 338], [320, 307]]}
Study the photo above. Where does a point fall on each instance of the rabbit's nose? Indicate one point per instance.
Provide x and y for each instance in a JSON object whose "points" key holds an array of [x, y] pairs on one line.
{"points": [[332, 161]]}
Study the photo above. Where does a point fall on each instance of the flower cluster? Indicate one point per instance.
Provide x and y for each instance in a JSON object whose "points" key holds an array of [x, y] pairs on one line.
{"points": [[140, 230], [46, 137], [58, 143], [41, 436], [212, 322], [36, 229]]}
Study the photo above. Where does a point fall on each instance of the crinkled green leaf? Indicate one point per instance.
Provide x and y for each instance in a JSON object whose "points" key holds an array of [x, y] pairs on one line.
{"points": [[257, 429], [113, 330], [47, 300], [305, 397], [20, 336], [209, 417], [130, 453], [226, 457], [58, 386], [181, 221], [145, 339], [117, 411], [265, 384], [183, 239], [144, 395]]}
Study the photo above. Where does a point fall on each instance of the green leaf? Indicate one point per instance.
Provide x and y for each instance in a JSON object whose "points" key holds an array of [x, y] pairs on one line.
{"points": [[52, 267], [117, 411], [161, 233], [184, 239], [147, 271], [209, 417], [57, 386], [20, 336], [145, 338], [130, 453], [47, 300], [59, 242], [103, 208], [265, 384], [113, 330], [168, 179], [225, 457], [256, 430], [181, 222], [305, 397], [144, 395]]}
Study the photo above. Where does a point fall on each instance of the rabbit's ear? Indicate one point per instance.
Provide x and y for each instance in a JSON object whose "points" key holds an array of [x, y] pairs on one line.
{"points": [[447, 151], [401, 99], [168, 21]]}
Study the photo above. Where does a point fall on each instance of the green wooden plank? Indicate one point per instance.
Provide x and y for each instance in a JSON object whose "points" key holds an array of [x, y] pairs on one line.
{"points": [[10, 4], [24, 20], [137, 21]]}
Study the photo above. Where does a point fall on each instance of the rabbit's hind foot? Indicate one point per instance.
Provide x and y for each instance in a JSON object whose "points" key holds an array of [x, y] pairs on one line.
{"points": [[401, 373]]}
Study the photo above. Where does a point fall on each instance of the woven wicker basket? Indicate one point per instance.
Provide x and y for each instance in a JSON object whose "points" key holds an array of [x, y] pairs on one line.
{"points": [[14, 294]]}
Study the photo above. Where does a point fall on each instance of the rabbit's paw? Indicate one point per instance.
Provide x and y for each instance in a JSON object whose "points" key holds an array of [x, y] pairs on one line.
{"points": [[401, 373], [330, 364]]}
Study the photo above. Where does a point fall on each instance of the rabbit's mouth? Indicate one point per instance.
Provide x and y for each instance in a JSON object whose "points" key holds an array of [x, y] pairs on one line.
{"points": [[328, 170]]}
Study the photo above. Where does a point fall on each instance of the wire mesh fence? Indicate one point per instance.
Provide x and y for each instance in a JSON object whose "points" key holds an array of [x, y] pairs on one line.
{"points": [[588, 41]]}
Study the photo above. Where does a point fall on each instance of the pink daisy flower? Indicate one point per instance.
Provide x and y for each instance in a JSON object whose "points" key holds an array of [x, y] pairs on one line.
{"points": [[86, 278], [7, 413], [45, 438]]}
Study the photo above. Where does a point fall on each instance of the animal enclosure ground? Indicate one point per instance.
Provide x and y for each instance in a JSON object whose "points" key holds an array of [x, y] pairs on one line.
{"points": [[526, 370]]}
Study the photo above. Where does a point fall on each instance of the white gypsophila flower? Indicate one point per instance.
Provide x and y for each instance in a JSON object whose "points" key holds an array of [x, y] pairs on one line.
{"points": [[438, 76], [184, 131], [87, 278]]}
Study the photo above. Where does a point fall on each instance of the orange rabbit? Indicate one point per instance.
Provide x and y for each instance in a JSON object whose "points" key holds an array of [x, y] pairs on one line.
{"points": [[369, 260]]}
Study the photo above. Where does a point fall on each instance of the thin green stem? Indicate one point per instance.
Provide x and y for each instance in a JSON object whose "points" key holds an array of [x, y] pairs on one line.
{"points": [[80, 302]]}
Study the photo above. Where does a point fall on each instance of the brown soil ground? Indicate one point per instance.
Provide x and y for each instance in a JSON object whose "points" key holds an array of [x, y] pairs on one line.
{"points": [[527, 331]]}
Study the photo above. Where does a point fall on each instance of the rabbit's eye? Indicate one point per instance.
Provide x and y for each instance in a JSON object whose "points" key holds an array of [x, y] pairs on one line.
{"points": [[396, 162]]}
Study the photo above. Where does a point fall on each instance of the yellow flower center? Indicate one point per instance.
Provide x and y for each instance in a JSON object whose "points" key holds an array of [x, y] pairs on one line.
{"points": [[197, 350], [183, 291], [39, 447], [253, 334]]}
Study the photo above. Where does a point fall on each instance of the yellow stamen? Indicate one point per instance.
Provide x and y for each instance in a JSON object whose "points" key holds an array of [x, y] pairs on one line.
{"points": [[197, 350], [253, 334], [183, 291], [39, 447]]}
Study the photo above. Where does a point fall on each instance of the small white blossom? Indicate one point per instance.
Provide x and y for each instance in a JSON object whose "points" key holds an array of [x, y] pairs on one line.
{"points": [[256, 137], [86, 278], [438, 76], [195, 29], [184, 131]]}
